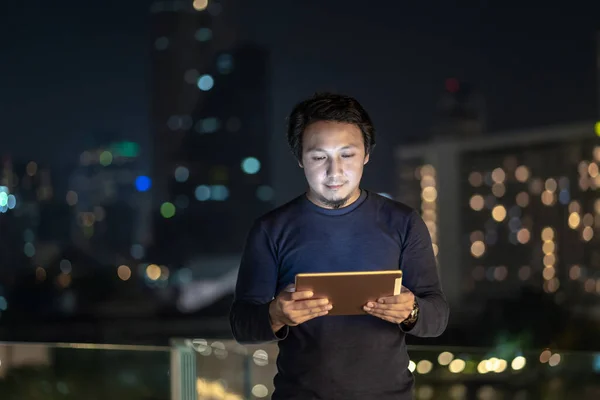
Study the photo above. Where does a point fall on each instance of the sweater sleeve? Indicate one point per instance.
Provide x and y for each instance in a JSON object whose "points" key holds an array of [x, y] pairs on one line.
{"points": [[255, 289], [420, 275]]}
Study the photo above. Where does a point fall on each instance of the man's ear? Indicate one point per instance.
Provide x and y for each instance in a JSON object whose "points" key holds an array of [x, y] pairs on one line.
{"points": [[300, 164], [366, 159]]}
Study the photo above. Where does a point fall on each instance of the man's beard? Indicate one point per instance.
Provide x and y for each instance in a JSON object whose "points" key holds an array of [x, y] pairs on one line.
{"points": [[335, 204]]}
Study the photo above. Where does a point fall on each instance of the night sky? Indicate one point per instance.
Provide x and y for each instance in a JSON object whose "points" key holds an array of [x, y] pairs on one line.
{"points": [[77, 68]]}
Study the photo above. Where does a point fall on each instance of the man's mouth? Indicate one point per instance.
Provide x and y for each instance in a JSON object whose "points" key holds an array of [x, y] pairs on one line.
{"points": [[334, 187]]}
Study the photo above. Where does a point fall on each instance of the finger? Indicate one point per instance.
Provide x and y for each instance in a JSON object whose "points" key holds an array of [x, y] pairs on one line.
{"points": [[388, 313], [389, 318], [309, 311], [304, 304], [395, 306], [399, 299], [308, 317], [306, 294]]}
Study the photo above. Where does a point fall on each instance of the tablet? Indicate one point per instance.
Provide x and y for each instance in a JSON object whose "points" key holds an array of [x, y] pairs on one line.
{"points": [[348, 292]]}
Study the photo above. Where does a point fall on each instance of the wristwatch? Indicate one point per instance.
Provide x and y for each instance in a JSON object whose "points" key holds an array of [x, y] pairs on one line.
{"points": [[413, 316]]}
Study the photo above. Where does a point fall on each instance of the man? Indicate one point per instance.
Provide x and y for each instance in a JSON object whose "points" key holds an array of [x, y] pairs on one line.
{"points": [[337, 226]]}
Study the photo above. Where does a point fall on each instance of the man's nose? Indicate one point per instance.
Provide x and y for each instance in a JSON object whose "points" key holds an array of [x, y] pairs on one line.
{"points": [[335, 167]]}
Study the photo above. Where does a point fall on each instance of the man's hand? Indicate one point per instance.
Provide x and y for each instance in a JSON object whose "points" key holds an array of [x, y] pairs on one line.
{"points": [[293, 308], [394, 308]]}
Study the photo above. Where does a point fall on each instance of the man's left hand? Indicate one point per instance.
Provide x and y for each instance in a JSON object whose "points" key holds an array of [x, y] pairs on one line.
{"points": [[394, 309]]}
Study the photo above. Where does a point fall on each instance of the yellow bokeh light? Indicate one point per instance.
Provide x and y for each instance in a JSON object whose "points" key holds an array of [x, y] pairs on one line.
{"points": [[597, 128], [522, 173], [548, 247], [412, 366], [153, 272], [549, 273], [476, 236], [200, 5], [587, 234], [574, 220], [549, 260], [548, 198], [477, 249], [424, 366], [575, 272], [554, 360], [457, 366], [499, 213], [518, 363], [524, 273], [589, 285], [552, 285], [522, 199], [477, 202], [445, 358], [593, 170], [551, 185], [498, 175], [500, 273], [427, 181], [597, 153], [547, 233], [427, 170], [501, 366], [475, 179], [124, 272], [498, 189], [429, 194], [574, 207], [536, 186], [545, 356], [482, 367], [523, 236]]}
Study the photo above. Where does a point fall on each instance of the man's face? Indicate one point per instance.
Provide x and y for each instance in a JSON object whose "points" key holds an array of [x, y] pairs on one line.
{"points": [[333, 158]]}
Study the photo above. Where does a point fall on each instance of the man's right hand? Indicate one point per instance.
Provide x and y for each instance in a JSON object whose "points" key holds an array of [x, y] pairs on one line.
{"points": [[293, 308]]}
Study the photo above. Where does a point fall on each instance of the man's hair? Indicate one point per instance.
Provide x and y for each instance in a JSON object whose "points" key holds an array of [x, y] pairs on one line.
{"points": [[328, 107]]}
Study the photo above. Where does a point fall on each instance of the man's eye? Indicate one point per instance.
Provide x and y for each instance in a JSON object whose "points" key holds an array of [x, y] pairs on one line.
{"points": [[318, 158], [348, 155]]}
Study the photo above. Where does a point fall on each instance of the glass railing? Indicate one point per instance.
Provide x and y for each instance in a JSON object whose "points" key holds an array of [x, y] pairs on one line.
{"points": [[84, 371], [217, 369], [205, 369]]}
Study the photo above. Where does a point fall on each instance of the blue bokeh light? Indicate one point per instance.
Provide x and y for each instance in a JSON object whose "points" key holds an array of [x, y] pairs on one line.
{"points": [[206, 82], [250, 165], [143, 183]]}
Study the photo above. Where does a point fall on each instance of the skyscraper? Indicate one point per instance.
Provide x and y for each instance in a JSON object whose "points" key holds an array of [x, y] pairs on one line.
{"points": [[209, 113], [512, 210]]}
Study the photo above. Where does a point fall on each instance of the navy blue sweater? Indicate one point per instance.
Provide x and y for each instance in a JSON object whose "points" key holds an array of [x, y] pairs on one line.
{"points": [[338, 357]]}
